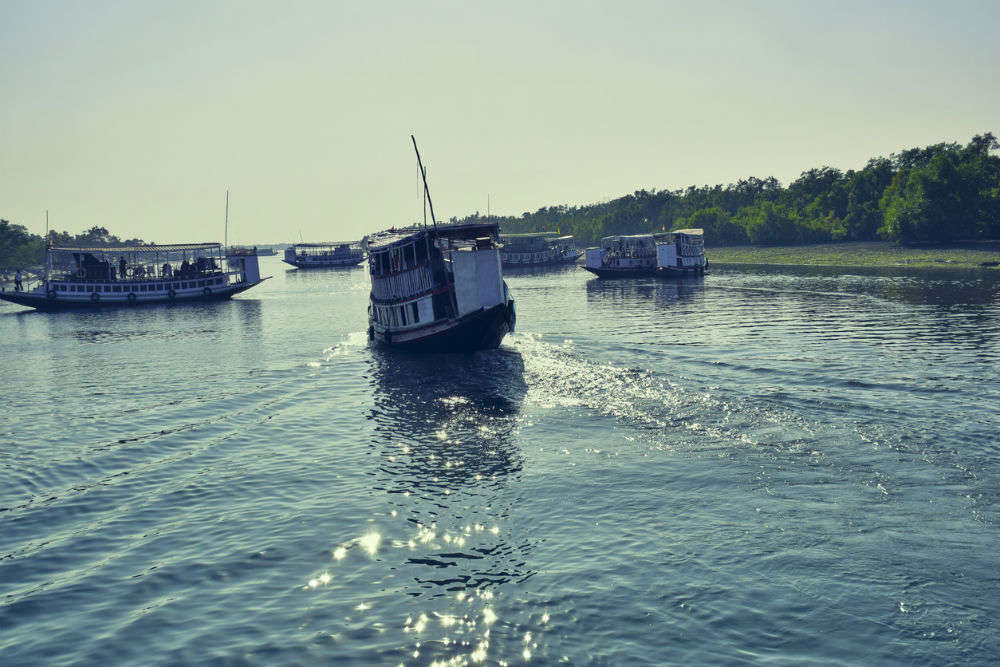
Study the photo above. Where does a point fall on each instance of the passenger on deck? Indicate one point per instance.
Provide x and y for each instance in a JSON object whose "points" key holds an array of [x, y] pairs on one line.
{"points": [[185, 269], [17, 281], [167, 271], [121, 268]]}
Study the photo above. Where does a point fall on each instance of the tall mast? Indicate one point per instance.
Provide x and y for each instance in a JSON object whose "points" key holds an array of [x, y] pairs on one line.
{"points": [[423, 175], [47, 254], [226, 239]]}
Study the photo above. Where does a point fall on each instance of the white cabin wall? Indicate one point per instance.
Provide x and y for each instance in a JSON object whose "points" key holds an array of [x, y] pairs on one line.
{"points": [[666, 255], [489, 278], [594, 257], [478, 282], [251, 269], [426, 310]]}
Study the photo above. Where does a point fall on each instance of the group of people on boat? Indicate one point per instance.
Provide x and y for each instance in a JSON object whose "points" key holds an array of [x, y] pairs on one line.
{"points": [[89, 267]]}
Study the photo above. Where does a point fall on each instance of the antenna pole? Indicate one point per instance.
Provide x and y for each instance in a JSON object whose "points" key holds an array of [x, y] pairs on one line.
{"points": [[423, 175], [226, 239]]}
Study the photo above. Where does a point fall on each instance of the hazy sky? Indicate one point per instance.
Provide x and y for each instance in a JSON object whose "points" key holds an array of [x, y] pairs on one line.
{"points": [[139, 115]]}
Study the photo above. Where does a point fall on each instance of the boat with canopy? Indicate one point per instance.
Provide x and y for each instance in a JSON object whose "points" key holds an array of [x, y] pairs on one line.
{"points": [[438, 288], [683, 254], [136, 275], [625, 256], [325, 255], [537, 249]]}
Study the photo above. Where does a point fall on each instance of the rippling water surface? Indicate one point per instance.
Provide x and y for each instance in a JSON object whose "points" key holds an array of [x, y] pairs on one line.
{"points": [[761, 467]]}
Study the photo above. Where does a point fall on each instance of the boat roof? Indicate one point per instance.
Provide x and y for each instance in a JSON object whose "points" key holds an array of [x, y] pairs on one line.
{"points": [[465, 231], [325, 244], [634, 236], [531, 235], [150, 248], [689, 232]]}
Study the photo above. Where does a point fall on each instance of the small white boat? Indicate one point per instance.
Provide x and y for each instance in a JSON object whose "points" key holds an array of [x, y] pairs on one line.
{"points": [[537, 249], [624, 256], [325, 255], [135, 275], [438, 288], [683, 254]]}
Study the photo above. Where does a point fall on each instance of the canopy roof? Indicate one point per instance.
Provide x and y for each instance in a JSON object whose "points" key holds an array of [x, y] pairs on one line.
{"points": [[151, 248], [636, 237], [326, 244], [532, 235], [467, 231], [689, 232]]}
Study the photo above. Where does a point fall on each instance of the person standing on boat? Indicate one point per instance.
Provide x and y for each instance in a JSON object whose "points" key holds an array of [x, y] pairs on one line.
{"points": [[17, 281], [121, 268]]}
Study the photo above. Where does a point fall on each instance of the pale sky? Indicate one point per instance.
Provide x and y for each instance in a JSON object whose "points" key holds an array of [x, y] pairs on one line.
{"points": [[139, 115]]}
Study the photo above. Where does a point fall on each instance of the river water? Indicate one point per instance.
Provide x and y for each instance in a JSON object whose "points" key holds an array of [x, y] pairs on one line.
{"points": [[763, 467]]}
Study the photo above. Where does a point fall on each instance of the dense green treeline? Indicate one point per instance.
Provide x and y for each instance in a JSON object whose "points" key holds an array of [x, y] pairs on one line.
{"points": [[19, 248], [937, 194]]}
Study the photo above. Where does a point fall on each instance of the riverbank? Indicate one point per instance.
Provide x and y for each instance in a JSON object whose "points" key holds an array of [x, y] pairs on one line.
{"points": [[972, 255]]}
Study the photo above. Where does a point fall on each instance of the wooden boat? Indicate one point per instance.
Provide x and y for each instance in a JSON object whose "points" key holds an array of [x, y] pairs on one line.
{"points": [[325, 255], [537, 249], [624, 256], [682, 255], [135, 275], [438, 288]]}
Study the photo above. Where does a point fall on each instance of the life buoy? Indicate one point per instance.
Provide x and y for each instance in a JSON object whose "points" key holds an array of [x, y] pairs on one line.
{"points": [[171, 294], [51, 294], [207, 291], [132, 298], [95, 297]]}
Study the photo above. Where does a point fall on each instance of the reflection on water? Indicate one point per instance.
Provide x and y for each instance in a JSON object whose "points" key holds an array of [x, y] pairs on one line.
{"points": [[644, 292], [444, 430]]}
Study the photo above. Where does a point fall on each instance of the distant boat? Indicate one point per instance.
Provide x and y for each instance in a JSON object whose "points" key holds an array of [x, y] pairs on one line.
{"points": [[537, 249], [236, 250], [438, 288], [324, 255], [135, 275], [683, 254], [625, 256]]}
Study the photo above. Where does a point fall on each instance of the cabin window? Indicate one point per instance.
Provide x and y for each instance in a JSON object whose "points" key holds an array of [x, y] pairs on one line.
{"points": [[416, 311], [421, 251], [218, 281], [402, 315], [107, 288], [90, 288], [409, 255]]}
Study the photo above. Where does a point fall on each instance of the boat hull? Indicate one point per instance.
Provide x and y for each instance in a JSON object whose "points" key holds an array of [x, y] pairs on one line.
{"points": [[45, 304], [676, 272], [481, 330], [630, 272]]}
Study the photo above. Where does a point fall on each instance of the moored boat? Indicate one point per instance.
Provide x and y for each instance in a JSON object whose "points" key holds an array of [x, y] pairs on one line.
{"points": [[624, 256], [325, 255], [682, 255], [438, 288], [537, 249], [134, 275]]}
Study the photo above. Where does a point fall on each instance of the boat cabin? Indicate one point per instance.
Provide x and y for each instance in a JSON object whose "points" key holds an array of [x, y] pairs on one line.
{"points": [[683, 252], [425, 279]]}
